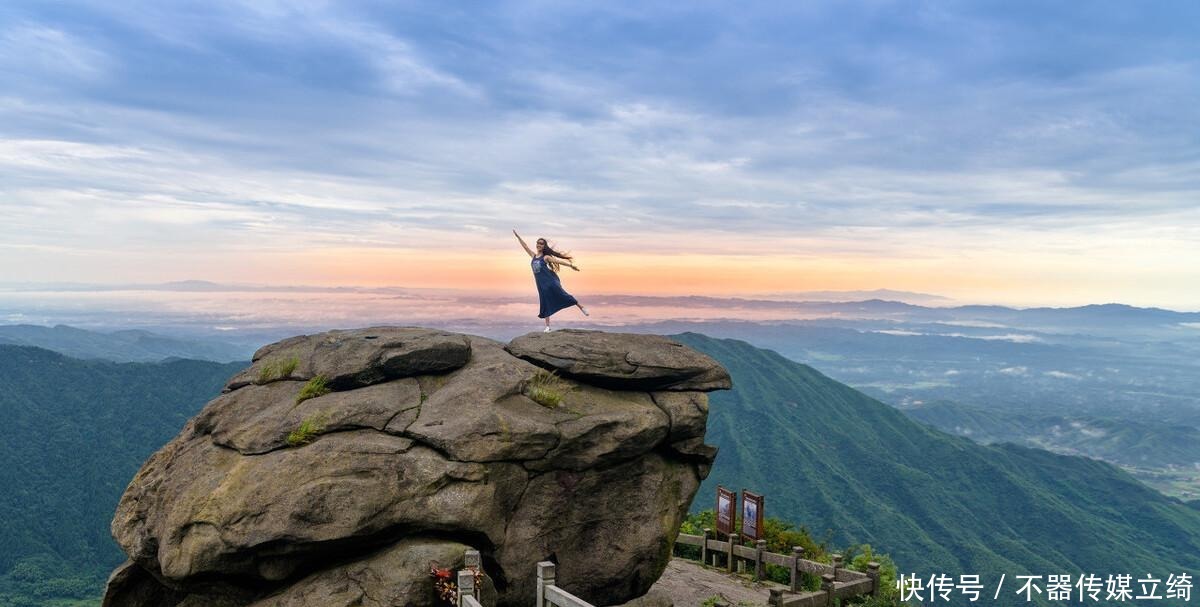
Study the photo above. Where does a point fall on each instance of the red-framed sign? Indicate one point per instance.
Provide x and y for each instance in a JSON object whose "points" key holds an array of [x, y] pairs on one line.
{"points": [[725, 513], [752, 515]]}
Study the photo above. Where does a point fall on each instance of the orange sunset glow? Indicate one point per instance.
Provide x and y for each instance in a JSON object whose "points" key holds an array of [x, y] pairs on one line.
{"points": [[1015, 278]]}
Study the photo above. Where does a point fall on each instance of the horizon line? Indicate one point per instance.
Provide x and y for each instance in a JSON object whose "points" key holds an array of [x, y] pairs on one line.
{"points": [[773, 297]]}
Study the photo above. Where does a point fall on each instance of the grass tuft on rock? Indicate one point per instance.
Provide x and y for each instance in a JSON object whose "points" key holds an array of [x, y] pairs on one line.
{"points": [[277, 369], [315, 387], [546, 388], [309, 429]]}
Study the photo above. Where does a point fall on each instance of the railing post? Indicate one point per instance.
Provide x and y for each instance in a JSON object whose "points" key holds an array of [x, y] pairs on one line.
{"points": [[797, 554], [827, 581], [873, 573], [837, 564], [776, 598], [545, 577], [732, 540], [704, 546], [760, 568], [466, 585], [472, 560]]}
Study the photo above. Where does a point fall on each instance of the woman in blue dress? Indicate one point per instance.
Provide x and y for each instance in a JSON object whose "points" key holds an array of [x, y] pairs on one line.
{"points": [[546, 262]]}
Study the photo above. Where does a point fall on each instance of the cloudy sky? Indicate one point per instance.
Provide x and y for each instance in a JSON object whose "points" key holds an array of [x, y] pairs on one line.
{"points": [[1008, 152]]}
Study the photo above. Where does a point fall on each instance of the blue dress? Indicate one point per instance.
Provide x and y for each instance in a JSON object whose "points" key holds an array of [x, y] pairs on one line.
{"points": [[550, 291]]}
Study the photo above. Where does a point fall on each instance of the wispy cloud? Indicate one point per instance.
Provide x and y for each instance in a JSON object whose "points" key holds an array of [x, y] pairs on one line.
{"points": [[41, 53], [1061, 375], [954, 137]]}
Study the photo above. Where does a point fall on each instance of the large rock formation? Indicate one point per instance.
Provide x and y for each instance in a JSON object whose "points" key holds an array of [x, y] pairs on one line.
{"points": [[338, 466]]}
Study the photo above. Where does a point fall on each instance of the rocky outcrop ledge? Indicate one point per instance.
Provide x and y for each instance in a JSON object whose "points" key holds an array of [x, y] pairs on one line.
{"points": [[338, 466]]}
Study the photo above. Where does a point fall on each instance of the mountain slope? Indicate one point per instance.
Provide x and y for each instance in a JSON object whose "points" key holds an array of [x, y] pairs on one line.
{"points": [[1130, 442], [75, 432], [832, 458], [131, 345]]}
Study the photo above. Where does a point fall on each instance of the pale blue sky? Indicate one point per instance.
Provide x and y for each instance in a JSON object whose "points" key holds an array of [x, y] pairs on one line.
{"points": [[158, 140]]}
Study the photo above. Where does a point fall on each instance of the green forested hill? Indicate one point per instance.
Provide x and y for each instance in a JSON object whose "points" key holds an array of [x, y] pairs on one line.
{"points": [[131, 345], [74, 433], [1144, 443], [832, 458], [825, 455]]}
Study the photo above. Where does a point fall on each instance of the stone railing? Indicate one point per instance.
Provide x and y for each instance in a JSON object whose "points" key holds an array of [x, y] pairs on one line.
{"points": [[836, 581], [549, 594], [468, 594], [467, 590]]}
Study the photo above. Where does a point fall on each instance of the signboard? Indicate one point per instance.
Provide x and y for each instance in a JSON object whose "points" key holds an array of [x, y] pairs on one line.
{"points": [[725, 500], [752, 515]]}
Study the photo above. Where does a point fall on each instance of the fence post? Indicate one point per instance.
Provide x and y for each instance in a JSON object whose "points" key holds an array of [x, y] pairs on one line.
{"points": [[466, 585], [827, 586], [472, 560], [873, 573], [760, 568], [776, 598], [545, 577], [733, 537], [704, 546], [797, 554], [837, 564]]}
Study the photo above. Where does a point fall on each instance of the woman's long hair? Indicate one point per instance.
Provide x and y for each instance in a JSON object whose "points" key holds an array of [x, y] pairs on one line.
{"points": [[548, 250]]}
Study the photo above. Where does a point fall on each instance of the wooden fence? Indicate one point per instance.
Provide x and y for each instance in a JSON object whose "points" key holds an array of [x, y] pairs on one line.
{"points": [[836, 581]]}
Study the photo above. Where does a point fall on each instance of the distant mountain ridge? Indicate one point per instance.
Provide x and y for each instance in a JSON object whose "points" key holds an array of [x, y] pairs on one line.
{"points": [[879, 305], [130, 345], [832, 458], [930, 306]]}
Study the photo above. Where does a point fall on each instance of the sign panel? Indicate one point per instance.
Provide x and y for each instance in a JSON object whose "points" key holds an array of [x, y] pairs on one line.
{"points": [[752, 515], [725, 500]]}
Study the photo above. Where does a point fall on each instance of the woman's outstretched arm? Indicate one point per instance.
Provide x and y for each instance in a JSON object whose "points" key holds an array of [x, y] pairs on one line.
{"points": [[560, 260], [525, 246]]}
